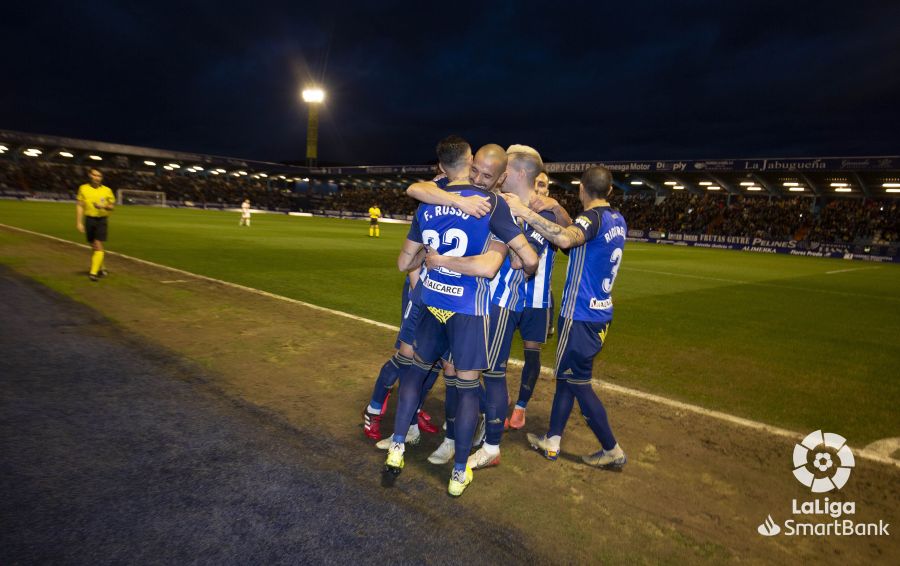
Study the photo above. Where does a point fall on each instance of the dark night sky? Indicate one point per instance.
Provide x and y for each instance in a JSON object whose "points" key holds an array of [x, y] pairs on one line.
{"points": [[587, 81]]}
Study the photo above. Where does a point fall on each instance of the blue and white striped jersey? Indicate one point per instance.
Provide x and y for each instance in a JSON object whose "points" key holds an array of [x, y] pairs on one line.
{"points": [[537, 289], [593, 266], [509, 286]]}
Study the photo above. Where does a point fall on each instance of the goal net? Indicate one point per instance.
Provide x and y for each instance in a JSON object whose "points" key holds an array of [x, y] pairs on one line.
{"points": [[133, 196]]}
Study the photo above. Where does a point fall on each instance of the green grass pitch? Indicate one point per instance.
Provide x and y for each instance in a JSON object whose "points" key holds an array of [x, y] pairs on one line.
{"points": [[777, 339]]}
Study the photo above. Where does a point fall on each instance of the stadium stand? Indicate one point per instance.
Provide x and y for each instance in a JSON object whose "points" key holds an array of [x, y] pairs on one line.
{"points": [[805, 204]]}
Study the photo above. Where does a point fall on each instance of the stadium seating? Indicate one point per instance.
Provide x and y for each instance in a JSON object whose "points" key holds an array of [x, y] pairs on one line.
{"points": [[840, 220]]}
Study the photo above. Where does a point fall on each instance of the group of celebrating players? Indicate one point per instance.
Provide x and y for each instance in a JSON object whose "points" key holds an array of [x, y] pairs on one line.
{"points": [[479, 257]]}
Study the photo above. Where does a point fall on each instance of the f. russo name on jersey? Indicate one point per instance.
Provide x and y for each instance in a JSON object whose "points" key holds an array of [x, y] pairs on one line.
{"points": [[600, 304], [444, 211], [444, 288]]}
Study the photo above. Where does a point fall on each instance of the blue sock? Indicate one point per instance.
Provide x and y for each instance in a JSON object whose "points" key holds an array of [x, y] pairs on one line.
{"points": [[495, 408], [563, 401], [426, 389], [530, 372], [482, 399], [450, 403], [466, 420], [594, 413], [388, 376], [408, 397]]}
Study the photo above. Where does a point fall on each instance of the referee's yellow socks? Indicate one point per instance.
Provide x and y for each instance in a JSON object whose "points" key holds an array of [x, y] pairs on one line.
{"points": [[96, 262]]}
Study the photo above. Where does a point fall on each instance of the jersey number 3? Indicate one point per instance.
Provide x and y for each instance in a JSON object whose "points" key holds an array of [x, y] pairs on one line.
{"points": [[616, 259]]}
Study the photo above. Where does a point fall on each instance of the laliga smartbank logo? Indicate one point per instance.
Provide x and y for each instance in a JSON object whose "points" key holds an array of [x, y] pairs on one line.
{"points": [[822, 462]]}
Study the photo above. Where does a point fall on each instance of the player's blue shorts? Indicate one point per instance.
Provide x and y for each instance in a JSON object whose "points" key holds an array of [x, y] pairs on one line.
{"points": [[412, 311], [464, 335], [535, 324], [579, 344], [502, 327]]}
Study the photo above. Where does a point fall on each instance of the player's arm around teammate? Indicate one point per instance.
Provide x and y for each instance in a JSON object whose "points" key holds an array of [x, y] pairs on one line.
{"points": [[540, 203], [429, 193], [484, 265], [564, 237]]}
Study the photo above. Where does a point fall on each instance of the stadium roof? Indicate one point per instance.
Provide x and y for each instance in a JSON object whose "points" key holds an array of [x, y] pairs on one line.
{"points": [[869, 176]]}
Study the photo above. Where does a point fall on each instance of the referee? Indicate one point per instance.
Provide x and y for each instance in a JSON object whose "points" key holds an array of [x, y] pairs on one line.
{"points": [[95, 202], [374, 215]]}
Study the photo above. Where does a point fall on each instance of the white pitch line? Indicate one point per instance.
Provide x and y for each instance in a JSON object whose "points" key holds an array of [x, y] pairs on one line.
{"points": [[169, 282], [864, 453], [851, 269]]}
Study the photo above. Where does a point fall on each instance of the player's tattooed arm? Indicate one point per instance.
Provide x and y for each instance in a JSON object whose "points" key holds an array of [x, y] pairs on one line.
{"points": [[568, 237], [526, 254], [540, 203], [430, 193], [411, 256], [484, 265]]}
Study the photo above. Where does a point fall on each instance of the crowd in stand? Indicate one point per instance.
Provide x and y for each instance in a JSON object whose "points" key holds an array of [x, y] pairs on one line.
{"points": [[62, 181], [844, 220]]}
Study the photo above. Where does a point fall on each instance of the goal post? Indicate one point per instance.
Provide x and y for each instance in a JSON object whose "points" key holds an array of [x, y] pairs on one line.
{"points": [[133, 196]]}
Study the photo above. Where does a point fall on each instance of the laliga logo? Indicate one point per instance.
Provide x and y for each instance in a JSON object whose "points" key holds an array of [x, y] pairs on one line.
{"points": [[821, 446]]}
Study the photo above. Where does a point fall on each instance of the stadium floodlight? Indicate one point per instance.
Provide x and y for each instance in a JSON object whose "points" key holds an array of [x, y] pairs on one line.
{"points": [[678, 187], [242, 173], [198, 168], [150, 163], [705, 183], [95, 157], [637, 183], [713, 188], [313, 96], [220, 171], [576, 182], [891, 186], [167, 167], [791, 184], [3, 148], [263, 175], [892, 190], [214, 172], [796, 189], [754, 188], [305, 179], [840, 185], [66, 154], [282, 177], [747, 183], [174, 166], [671, 183], [843, 190], [32, 152]]}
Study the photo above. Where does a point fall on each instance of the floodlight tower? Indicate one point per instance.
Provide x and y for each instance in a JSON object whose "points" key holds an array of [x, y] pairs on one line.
{"points": [[313, 97]]}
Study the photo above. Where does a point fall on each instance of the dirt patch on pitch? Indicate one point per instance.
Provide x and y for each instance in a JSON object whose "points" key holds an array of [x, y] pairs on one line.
{"points": [[695, 489]]}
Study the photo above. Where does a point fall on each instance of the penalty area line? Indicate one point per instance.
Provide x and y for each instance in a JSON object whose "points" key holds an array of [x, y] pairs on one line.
{"points": [[866, 453]]}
